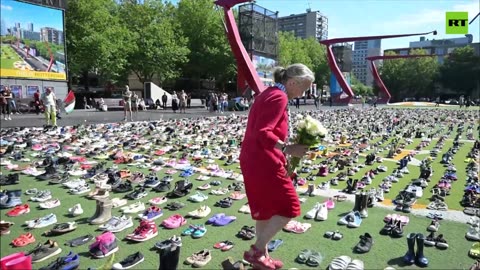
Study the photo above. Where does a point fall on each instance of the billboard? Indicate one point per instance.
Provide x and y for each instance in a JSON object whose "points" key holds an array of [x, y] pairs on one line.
{"points": [[32, 41], [264, 67]]}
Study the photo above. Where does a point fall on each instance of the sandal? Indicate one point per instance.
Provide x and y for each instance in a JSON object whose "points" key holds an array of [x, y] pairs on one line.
{"points": [[315, 259], [340, 263], [475, 250], [303, 256], [23, 240]]}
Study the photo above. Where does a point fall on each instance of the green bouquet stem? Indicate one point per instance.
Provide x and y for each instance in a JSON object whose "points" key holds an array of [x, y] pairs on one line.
{"points": [[293, 164]]}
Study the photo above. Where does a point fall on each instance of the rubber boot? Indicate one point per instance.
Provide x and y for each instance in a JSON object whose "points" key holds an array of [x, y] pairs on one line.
{"points": [[348, 189], [409, 257], [363, 205], [97, 210], [20, 263], [4, 260], [169, 258], [105, 213], [420, 259], [356, 206], [354, 186]]}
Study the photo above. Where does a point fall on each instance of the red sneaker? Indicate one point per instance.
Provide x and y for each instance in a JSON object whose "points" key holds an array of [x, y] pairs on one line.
{"points": [[19, 210], [258, 259]]}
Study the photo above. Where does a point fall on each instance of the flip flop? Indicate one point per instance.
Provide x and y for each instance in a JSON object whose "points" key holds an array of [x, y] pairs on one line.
{"points": [[340, 263], [274, 244]]}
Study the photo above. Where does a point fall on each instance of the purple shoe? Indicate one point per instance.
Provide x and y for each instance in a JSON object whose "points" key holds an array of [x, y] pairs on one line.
{"points": [[224, 220], [215, 218]]}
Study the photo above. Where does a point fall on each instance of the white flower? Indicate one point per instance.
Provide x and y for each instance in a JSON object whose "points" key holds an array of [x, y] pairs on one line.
{"points": [[314, 127], [299, 116], [301, 124]]}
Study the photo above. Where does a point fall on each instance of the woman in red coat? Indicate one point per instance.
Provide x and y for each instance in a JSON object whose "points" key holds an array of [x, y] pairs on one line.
{"points": [[271, 195]]}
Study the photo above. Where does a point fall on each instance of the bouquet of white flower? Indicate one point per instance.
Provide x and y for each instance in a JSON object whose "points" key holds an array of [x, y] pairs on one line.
{"points": [[310, 132]]}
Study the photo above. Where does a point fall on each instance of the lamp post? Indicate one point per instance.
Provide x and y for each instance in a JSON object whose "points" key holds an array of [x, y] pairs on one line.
{"points": [[347, 95], [376, 76]]}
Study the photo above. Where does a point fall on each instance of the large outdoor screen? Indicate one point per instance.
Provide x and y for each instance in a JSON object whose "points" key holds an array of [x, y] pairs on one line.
{"points": [[264, 67], [32, 41]]}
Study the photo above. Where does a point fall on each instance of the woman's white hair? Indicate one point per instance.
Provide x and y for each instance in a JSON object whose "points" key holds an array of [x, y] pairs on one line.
{"points": [[297, 71]]}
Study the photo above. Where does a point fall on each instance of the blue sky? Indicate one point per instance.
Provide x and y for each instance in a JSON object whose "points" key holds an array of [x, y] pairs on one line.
{"points": [[12, 12], [350, 18]]}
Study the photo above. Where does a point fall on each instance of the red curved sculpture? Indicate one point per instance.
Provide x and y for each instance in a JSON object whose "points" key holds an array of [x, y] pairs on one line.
{"points": [[342, 99], [245, 69], [385, 95]]}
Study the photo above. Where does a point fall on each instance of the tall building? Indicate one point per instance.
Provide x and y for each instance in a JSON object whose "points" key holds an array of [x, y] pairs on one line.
{"points": [[305, 25], [17, 26], [30, 27], [3, 28], [51, 35], [362, 50], [26, 34], [438, 47]]}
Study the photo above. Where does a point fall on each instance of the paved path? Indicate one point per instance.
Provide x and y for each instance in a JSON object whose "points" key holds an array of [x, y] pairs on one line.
{"points": [[79, 117]]}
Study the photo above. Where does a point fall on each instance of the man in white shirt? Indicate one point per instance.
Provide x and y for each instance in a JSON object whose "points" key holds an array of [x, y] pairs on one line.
{"points": [[49, 104]]}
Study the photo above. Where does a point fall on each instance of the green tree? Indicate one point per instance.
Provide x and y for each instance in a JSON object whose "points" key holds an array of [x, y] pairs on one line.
{"points": [[460, 71], [158, 47], [210, 53], [359, 89], [413, 77], [96, 40], [317, 54]]}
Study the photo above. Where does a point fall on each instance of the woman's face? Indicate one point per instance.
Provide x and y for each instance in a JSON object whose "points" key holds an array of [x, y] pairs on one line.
{"points": [[296, 87]]}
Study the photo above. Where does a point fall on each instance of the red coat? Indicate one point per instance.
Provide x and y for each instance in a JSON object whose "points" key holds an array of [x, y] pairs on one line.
{"points": [[269, 190]]}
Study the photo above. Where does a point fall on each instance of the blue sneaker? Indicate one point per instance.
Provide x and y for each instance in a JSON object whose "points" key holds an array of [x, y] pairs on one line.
{"points": [[152, 182]]}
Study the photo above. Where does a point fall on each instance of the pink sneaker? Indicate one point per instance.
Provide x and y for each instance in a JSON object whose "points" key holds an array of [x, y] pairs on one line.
{"points": [[330, 204], [145, 231], [174, 222]]}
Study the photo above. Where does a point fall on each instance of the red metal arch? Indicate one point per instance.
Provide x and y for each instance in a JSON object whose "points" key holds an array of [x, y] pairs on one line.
{"points": [[385, 94], [245, 69], [336, 70]]}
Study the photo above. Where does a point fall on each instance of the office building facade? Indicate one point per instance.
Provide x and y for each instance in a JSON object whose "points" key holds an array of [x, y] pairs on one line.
{"points": [[305, 25], [438, 47], [51, 35], [362, 50]]}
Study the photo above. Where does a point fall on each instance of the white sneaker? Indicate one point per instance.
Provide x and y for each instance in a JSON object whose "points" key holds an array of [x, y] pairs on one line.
{"points": [[201, 212], [244, 209], [50, 204], [117, 202], [313, 212], [76, 210], [9, 118], [133, 208], [322, 213]]}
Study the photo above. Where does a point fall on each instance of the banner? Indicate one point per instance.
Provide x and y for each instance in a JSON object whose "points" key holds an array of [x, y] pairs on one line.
{"points": [[16, 90], [32, 42], [31, 89]]}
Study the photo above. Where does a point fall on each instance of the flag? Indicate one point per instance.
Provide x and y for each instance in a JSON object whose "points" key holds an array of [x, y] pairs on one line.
{"points": [[69, 102]]}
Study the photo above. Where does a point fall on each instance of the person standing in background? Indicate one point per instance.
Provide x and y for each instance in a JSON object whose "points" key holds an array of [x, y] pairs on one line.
{"points": [[182, 98], [7, 96], [49, 101], [36, 101], [164, 100], [174, 102], [135, 104], [127, 103], [189, 100]]}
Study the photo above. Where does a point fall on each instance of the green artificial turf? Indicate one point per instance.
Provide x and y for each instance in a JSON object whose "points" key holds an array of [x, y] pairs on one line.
{"points": [[386, 251]]}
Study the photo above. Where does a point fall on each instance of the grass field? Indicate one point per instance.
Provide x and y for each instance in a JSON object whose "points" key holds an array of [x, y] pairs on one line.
{"points": [[8, 57], [386, 251]]}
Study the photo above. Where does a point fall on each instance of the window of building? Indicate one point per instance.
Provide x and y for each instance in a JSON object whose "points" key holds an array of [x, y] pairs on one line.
{"points": [[440, 51]]}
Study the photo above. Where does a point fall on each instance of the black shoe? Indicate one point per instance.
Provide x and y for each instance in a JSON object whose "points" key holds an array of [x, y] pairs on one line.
{"points": [[11, 179], [123, 187], [82, 240], [44, 251], [130, 261], [162, 187], [365, 243]]}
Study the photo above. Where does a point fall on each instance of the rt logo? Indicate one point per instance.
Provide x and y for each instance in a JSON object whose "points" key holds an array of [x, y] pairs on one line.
{"points": [[457, 23]]}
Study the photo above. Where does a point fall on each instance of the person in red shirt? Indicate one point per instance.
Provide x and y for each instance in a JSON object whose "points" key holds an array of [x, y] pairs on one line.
{"points": [[36, 101], [272, 197]]}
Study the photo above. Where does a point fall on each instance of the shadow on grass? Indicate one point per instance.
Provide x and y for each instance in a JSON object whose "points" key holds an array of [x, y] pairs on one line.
{"points": [[398, 262]]}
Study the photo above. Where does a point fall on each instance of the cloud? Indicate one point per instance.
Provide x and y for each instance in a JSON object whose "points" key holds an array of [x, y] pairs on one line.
{"points": [[431, 16], [5, 7]]}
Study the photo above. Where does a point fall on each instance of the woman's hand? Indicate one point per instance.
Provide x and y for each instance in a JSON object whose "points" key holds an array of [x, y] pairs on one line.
{"points": [[296, 150]]}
